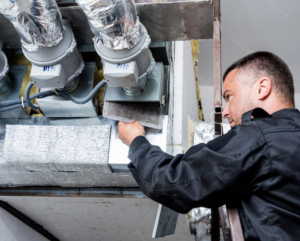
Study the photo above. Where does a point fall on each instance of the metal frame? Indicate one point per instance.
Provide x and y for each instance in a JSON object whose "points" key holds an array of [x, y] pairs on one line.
{"points": [[73, 192]]}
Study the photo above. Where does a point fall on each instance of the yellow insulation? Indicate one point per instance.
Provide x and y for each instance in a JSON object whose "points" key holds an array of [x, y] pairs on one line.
{"points": [[195, 51], [98, 76]]}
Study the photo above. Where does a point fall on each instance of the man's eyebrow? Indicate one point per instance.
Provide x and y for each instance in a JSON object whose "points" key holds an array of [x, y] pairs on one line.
{"points": [[224, 94]]}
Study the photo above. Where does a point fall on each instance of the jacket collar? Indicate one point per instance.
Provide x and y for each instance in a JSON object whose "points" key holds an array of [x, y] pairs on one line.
{"points": [[288, 112]]}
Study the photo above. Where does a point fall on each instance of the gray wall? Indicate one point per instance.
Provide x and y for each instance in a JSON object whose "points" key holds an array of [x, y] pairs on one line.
{"points": [[249, 26]]}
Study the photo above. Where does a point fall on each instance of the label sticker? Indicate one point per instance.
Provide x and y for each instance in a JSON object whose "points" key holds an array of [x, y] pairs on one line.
{"points": [[49, 69], [122, 66]]}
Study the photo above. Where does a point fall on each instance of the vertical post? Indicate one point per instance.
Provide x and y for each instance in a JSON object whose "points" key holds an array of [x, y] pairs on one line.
{"points": [[229, 215], [215, 223], [235, 224]]}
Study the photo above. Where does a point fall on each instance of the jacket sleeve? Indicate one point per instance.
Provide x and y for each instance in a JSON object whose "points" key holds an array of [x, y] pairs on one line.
{"points": [[208, 175]]}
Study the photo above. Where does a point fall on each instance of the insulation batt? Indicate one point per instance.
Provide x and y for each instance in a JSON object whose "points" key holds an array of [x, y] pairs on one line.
{"points": [[57, 148], [67, 156]]}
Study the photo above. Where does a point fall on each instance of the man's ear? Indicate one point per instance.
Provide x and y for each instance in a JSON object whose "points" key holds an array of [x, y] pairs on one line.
{"points": [[264, 86]]}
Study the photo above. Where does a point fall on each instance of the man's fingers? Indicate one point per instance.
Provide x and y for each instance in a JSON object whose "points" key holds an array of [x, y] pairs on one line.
{"points": [[121, 123], [132, 121]]}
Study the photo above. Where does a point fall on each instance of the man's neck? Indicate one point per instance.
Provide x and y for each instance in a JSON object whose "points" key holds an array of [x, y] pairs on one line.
{"points": [[274, 107]]}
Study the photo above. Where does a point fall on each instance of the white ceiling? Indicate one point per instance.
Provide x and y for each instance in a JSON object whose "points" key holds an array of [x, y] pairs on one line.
{"points": [[89, 218], [253, 25]]}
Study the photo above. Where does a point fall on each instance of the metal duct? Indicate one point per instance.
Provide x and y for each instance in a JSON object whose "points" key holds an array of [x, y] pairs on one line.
{"points": [[38, 22], [5, 83], [114, 22]]}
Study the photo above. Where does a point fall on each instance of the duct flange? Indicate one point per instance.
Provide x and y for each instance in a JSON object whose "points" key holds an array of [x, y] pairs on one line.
{"points": [[56, 67]]}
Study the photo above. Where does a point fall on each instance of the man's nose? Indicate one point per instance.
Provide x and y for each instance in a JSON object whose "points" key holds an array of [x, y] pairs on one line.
{"points": [[225, 112]]}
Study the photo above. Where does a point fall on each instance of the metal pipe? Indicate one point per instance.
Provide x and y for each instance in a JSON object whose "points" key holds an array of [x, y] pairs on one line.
{"points": [[114, 22], [38, 22]]}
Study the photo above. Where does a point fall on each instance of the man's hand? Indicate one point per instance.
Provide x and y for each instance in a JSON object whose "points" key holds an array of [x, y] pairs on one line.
{"points": [[129, 131]]}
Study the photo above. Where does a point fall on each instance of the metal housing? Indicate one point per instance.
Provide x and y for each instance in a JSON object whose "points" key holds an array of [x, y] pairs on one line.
{"points": [[65, 53], [139, 53], [58, 106]]}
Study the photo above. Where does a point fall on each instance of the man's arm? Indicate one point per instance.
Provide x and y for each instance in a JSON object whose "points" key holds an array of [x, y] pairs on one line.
{"points": [[208, 175]]}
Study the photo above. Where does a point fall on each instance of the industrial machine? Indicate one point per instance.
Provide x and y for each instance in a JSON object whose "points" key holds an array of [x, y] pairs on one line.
{"points": [[121, 41], [69, 71]]}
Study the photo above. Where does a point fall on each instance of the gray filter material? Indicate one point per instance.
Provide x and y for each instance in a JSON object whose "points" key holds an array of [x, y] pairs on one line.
{"points": [[147, 113]]}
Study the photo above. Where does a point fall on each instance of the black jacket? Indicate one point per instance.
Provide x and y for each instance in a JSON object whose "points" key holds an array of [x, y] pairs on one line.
{"points": [[255, 165]]}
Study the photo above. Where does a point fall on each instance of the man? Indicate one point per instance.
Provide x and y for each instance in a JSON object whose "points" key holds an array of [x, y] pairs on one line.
{"points": [[255, 166]]}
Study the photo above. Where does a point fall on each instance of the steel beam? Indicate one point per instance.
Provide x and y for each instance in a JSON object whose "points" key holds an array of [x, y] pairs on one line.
{"points": [[73, 192]]}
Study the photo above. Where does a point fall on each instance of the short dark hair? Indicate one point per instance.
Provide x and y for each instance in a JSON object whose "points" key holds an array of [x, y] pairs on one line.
{"points": [[266, 63]]}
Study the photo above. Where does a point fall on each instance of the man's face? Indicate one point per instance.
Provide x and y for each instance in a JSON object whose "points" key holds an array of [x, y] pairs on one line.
{"points": [[238, 99]]}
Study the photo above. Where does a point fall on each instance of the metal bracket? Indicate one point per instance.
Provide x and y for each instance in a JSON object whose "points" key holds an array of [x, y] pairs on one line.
{"points": [[165, 222]]}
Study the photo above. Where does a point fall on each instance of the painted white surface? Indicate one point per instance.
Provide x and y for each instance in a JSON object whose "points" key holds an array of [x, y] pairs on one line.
{"points": [[105, 219], [185, 100], [12, 229], [249, 26], [297, 100]]}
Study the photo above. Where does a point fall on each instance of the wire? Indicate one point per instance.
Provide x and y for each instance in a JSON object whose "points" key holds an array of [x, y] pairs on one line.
{"points": [[12, 107], [14, 104], [83, 100], [38, 95], [27, 97]]}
